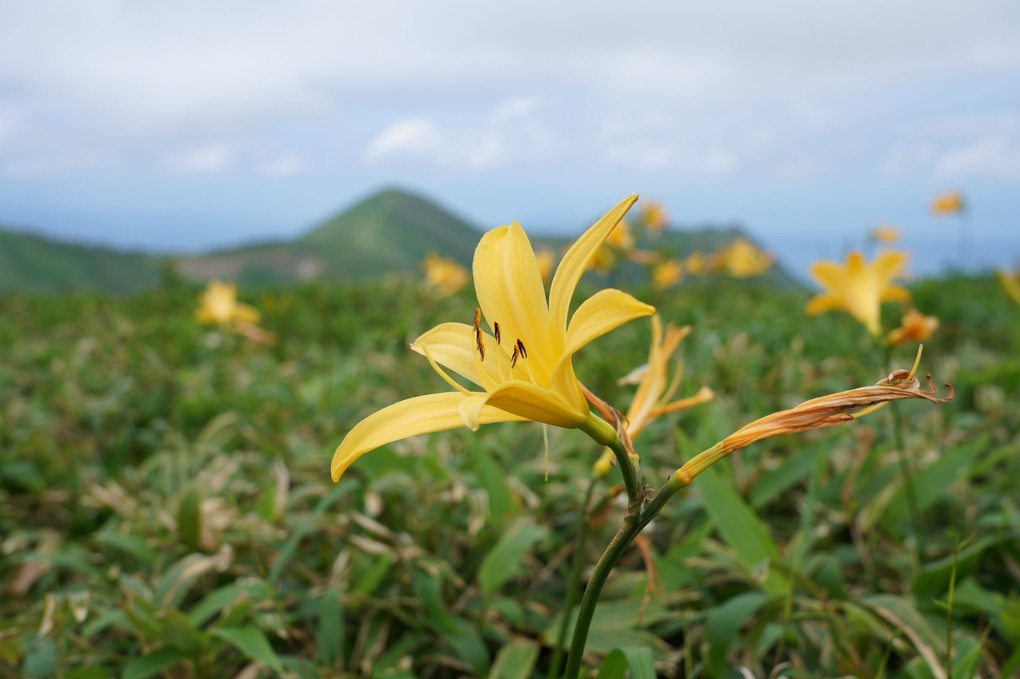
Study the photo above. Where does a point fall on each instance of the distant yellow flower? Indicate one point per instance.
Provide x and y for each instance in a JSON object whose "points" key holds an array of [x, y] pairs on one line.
{"points": [[951, 203], [667, 274], [859, 288], [655, 389], [915, 327], [444, 275], [523, 366], [546, 264], [741, 259], [653, 216], [695, 263], [886, 234], [218, 304], [1010, 284]]}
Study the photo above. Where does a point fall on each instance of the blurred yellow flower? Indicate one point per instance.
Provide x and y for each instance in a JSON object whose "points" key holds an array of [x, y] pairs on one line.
{"points": [[218, 304], [1010, 283], [741, 259], [886, 234], [859, 288], [546, 264], [951, 203], [653, 216], [523, 366], [667, 274], [695, 263], [915, 327], [443, 275], [655, 389]]}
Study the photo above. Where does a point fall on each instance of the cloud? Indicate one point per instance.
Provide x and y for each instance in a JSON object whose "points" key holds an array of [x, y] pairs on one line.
{"points": [[960, 148], [282, 166], [511, 131], [204, 160]]}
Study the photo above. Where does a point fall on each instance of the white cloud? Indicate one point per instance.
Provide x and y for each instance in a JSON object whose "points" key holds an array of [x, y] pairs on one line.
{"points": [[512, 131], [282, 166], [204, 160], [961, 148]]}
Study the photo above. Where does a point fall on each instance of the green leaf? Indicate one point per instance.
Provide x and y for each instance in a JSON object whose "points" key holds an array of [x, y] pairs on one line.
{"points": [[742, 530], [503, 560], [225, 597], [515, 660], [153, 663], [189, 519], [493, 479], [250, 641], [329, 638], [640, 662], [614, 666], [724, 621]]}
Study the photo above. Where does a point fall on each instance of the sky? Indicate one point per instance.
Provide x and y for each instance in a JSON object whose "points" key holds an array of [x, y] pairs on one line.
{"points": [[188, 126]]}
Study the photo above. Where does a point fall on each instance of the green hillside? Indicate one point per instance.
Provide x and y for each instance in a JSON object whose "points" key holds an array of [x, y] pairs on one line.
{"points": [[38, 264], [388, 232]]}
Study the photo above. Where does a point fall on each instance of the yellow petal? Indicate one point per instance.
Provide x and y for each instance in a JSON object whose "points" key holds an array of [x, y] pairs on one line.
{"points": [[894, 293], [418, 415], [576, 261], [888, 264], [600, 313], [245, 313], [452, 345], [510, 292], [823, 302], [530, 402]]}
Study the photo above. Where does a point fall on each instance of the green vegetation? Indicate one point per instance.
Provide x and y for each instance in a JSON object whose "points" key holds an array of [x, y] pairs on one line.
{"points": [[389, 232], [165, 503]]}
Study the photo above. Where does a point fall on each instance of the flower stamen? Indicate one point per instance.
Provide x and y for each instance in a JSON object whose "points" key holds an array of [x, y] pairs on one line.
{"points": [[495, 331]]}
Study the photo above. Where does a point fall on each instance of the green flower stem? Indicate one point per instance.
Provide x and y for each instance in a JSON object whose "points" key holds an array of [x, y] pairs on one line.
{"points": [[572, 583], [906, 472], [637, 517], [602, 432]]}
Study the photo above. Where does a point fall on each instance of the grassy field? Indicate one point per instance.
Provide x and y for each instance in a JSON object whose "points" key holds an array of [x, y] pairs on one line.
{"points": [[166, 507]]}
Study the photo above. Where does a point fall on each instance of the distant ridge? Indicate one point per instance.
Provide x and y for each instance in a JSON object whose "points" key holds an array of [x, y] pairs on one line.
{"points": [[388, 232]]}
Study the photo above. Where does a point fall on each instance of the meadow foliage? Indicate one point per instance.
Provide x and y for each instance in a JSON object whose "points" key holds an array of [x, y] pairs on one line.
{"points": [[166, 507]]}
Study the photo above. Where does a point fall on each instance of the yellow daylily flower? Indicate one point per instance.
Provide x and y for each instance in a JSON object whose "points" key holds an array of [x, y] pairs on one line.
{"points": [[656, 390], [218, 304], [915, 327], [1010, 283], [951, 203], [742, 259], [667, 274], [696, 263], [859, 288], [621, 237], [885, 233], [443, 275], [522, 365], [653, 216]]}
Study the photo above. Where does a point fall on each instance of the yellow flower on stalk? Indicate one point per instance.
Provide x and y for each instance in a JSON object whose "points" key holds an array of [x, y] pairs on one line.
{"points": [[951, 203], [621, 237], [666, 274], [656, 389], [859, 288], [218, 304], [521, 367], [741, 259], [1010, 284], [443, 275], [885, 234], [915, 327]]}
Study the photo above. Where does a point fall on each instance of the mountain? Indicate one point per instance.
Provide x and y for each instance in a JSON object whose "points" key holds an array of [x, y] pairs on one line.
{"points": [[39, 264], [388, 232]]}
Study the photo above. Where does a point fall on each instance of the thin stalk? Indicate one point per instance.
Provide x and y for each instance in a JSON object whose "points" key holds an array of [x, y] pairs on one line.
{"points": [[906, 474], [572, 582]]}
